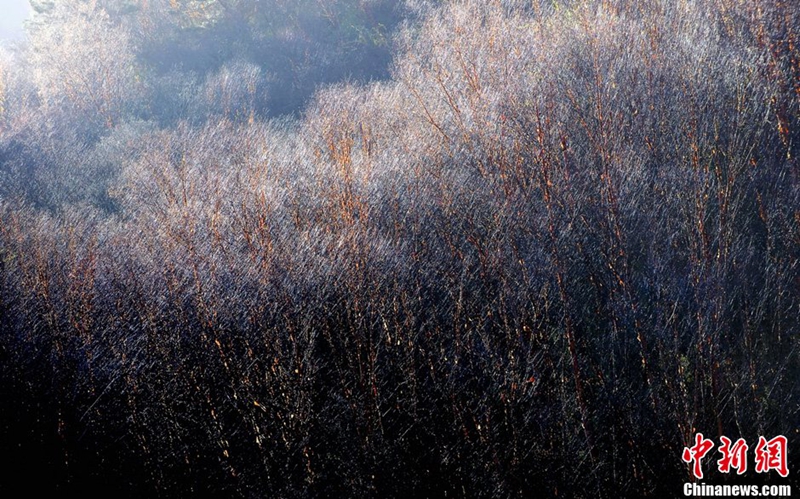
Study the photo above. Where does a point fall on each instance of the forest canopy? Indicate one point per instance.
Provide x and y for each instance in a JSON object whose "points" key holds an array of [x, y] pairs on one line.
{"points": [[385, 248]]}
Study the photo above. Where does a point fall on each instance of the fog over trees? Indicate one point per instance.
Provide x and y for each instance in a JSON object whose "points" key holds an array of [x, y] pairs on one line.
{"points": [[388, 248]]}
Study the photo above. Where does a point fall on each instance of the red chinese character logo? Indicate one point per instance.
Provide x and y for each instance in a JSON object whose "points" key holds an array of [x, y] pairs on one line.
{"points": [[733, 456], [696, 453], [771, 455]]}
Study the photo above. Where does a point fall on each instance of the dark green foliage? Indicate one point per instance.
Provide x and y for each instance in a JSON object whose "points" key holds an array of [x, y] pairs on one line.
{"points": [[298, 45]]}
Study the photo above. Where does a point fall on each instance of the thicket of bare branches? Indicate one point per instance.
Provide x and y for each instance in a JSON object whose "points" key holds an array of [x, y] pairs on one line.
{"points": [[562, 239]]}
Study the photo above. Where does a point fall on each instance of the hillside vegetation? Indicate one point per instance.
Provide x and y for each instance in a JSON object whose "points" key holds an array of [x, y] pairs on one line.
{"points": [[368, 248]]}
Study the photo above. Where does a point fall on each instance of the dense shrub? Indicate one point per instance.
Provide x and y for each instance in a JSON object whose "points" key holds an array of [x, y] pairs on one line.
{"points": [[560, 241]]}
